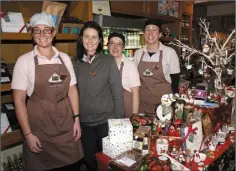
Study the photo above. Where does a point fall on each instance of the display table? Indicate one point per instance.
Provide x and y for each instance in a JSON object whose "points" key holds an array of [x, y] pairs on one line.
{"points": [[222, 159]]}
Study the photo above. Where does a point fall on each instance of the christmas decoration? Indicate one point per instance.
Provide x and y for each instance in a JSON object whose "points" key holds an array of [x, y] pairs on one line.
{"points": [[214, 56]]}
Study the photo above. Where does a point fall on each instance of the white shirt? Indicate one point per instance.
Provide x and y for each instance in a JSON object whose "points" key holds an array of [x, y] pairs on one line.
{"points": [[170, 60], [24, 69], [130, 75]]}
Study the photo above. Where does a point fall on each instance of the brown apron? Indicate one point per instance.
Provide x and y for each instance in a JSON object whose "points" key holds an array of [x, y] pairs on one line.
{"points": [[152, 87], [50, 119], [128, 98]]}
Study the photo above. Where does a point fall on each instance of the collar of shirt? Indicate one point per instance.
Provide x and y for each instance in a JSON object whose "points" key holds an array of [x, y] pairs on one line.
{"points": [[87, 59], [39, 55], [122, 60], [160, 48]]}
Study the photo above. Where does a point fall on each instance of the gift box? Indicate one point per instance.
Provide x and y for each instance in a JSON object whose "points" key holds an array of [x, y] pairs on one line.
{"points": [[114, 149], [9, 109], [127, 161], [192, 136], [141, 140], [158, 163], [120, 130], [141, 120], [5, 125]]}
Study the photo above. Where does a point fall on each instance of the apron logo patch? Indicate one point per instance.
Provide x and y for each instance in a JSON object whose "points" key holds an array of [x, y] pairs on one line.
{"points": [[148, 73], [55, 78]]}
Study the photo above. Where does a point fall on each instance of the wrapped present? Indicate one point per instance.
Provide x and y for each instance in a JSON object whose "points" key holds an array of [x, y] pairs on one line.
{"points": [[141, 120], [120, 130], [192, 135], [5, 125], [127, 161], [158, 163], [141, 140], [173, 141], [114, 149]]}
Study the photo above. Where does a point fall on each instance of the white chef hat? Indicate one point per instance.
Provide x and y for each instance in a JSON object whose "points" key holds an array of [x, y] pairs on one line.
{"points": [[41, 18]]}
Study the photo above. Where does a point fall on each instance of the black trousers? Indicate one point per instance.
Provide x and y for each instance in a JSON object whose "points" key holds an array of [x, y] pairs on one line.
{"points": [[72, 167], [91, 139]]}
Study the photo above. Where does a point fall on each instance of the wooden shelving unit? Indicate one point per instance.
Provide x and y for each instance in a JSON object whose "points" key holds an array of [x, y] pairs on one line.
{"points": [[5, 87], [11, 139], [27, 36]]}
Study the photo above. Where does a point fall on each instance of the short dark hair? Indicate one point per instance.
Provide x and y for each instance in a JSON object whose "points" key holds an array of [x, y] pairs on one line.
{"points": [[80, 47], [115, 34], [155, 22]]}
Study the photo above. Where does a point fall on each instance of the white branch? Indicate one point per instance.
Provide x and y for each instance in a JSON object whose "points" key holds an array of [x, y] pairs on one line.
{"points": [[208, 66], [229, 37], [193, 50], [230, 56]]}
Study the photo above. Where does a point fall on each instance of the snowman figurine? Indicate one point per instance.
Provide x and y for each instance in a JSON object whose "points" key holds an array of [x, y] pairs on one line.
{"points": [[164, 110]]}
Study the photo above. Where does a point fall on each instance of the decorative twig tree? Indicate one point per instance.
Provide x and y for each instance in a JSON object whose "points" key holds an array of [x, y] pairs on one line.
{"points": [[214, 56]]}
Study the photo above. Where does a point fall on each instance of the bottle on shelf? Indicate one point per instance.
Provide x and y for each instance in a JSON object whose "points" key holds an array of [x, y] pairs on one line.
{"points": [[132, 37]]}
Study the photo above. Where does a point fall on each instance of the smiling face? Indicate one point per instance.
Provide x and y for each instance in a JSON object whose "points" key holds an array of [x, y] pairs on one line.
{"points": [[152, 34], [43, 35], [90, 41], [116, 46]]}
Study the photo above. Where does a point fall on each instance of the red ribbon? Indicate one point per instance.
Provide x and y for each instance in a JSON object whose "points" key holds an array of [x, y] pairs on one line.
{"points": [[22, 28], [190, 129], [7, 129], [3, 14]]}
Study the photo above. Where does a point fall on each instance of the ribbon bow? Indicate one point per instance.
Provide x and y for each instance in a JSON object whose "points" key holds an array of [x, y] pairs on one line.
{"points": [[3, 14], [190, 130]]}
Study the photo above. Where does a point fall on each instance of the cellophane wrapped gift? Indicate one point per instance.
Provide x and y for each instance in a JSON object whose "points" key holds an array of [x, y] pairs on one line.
{"points": [[127, 161], [141, 120], [120, 130], [141, 140], [192, 136], [114, 149]]}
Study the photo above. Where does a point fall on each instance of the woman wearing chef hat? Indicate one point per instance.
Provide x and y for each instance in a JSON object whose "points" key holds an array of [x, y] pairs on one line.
{"points": [[50, 118]]}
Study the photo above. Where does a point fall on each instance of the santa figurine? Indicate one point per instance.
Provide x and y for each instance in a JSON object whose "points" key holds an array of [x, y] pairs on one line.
{"points": [[196, 157], [164, 110]]}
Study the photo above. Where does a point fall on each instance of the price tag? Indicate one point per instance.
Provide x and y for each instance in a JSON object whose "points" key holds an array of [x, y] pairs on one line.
{"points": [[191, 137]]}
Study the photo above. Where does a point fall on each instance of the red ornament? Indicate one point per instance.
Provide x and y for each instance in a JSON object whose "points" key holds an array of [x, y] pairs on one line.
{"points": [[171, 131]]}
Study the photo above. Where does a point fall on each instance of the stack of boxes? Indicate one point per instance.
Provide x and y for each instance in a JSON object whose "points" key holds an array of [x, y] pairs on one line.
{"points": [[119, 139]]}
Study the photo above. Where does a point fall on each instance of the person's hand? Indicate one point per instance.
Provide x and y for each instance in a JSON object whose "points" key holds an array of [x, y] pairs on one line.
{"points": [[33, 143], [76, 130], [132, 117]]}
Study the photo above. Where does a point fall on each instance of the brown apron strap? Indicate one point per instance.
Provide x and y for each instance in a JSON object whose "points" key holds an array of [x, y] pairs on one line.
{"points": [[62, 62], [121, 69], [161, 56], [36, 62], [142, 57]]}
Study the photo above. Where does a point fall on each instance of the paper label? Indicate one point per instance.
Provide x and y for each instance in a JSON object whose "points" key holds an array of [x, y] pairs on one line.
{"points": [[191, 137], [9, 106], [126, 161], [5, 79]]}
